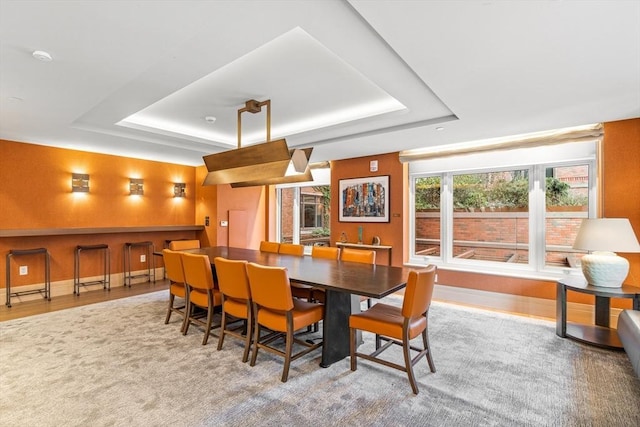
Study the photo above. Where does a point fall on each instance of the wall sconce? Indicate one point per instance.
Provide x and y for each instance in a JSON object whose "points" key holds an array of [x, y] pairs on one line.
{"points": [[136, 187], [179, 189], [79, 182]]}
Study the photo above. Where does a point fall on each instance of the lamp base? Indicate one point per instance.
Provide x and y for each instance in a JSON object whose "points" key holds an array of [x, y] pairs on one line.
{"points": [[605, 269]]}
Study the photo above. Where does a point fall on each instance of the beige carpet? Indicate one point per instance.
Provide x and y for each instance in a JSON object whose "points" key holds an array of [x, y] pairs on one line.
{"points": [[117, 364]]}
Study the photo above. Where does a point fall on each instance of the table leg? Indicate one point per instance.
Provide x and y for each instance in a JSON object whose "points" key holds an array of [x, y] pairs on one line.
{"points": [[335, 333], [602, 311], [561, 311]]}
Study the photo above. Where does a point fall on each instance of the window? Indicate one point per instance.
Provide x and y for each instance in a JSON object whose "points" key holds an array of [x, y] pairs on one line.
{"points": [[310, 206], [303, 211], [476, 213], [311, 210]]}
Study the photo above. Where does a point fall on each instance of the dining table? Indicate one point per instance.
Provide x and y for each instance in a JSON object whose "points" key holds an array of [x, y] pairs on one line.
{"points": [[344, 282]]}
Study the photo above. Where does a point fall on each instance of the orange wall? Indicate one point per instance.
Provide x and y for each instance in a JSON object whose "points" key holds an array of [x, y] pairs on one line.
{"points": [[621, 179], [36, 194], [206, 205], [36, 190], [390, 233]]}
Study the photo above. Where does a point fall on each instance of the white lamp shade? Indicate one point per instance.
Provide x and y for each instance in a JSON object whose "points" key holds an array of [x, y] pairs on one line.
{"points": [[605, 236]]}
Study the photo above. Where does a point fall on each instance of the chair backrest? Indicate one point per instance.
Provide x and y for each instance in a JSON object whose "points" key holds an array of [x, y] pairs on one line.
{"points": [[269, 246], [197, 271], [173, 266], [232, 278], [419, 291], [270, 287], [358, 255], [291, 249], [178, 245], [326, 252]]}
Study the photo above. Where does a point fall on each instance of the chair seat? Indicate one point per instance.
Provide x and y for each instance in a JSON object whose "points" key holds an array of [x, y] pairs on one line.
{"points": [[177, 289], [201, 299], [236, 308], [304, 314], [387, 320]]}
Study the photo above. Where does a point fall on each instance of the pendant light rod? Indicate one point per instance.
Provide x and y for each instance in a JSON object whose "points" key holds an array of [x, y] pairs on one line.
{"points": [[252, 106]]}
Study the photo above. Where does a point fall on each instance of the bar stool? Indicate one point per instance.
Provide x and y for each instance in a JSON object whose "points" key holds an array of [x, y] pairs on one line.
{"points": [[106, 276], [149, 250], [46, 290]]}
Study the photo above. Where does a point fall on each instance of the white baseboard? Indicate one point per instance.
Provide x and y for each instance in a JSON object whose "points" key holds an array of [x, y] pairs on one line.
{"points": [[65, 287], [526, 306]]}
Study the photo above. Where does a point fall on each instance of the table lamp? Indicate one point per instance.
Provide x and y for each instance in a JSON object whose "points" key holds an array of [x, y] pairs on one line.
{"points": [[603, 236]]}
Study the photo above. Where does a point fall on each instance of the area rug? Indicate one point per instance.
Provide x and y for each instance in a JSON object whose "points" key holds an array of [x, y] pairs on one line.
{"points": [[117, 364]]}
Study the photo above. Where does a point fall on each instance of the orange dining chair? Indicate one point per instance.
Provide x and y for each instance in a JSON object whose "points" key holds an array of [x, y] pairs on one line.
{"points": [[324, 252], [291, 249], [362, 256], [175, 274], [269, 246], [201, 291], [275, 308], [236, 300], [358, 255], [399, 325]]}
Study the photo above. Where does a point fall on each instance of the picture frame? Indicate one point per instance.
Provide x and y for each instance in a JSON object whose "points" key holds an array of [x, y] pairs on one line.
{"points": [[364, 199]]}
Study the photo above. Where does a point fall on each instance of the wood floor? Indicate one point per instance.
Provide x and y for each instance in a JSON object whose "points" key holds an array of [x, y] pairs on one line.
{"points": [[38, 306]]}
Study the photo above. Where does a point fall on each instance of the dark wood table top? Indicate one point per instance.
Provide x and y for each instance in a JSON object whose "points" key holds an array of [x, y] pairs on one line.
{"points": [[374, 281], [580, 285]]}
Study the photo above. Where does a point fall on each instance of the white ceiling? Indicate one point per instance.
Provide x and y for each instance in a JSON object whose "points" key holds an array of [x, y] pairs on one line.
{"points": [[349, 78]]}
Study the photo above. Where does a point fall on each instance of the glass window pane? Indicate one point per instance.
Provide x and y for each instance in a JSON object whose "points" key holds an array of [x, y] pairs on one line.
{"points": [[567, 204], [314, 215], [427, 216], [491, 216], [287, 197]]}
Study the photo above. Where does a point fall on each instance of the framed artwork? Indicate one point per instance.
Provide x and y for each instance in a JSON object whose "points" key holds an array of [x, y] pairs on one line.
{"points": [[364, 199]]}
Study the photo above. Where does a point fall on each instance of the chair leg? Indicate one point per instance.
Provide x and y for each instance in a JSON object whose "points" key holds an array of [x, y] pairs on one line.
{"points": [[287, 357], [207, 330], [378, 341], [169, 310], [247, 340], [407, 361], [256, 337], [352, 349], [187, 318], [223, 326], [425, 341]]}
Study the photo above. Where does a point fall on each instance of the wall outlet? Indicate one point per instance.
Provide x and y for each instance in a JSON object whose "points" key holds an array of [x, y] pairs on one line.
{"points": [[143, 258], [24, 270]]}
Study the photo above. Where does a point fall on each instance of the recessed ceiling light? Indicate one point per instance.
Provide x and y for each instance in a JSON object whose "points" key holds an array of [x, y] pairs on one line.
{"points": [[43, 56], [439, 128], [210, 119]]}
